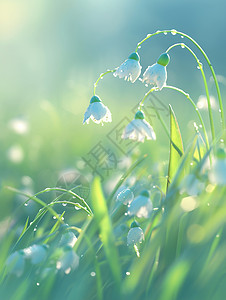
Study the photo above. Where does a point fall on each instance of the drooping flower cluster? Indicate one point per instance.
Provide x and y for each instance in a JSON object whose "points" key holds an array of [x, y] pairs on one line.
{"points": [[37, 254], [130, 70]]}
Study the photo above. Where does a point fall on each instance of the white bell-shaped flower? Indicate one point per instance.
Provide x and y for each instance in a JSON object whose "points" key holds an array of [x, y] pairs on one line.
{"points": [[130, 69], [97, 112], [217, 173], [36, 253], [68, 261], [141, 206], [125, 196], [135, 234], [68, 239], [157, 74], [139, 129], [15, 263]]}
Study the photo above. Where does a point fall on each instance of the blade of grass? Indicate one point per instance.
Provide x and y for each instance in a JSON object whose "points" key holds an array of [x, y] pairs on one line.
{"points": [[176, 146], [105, 227]]}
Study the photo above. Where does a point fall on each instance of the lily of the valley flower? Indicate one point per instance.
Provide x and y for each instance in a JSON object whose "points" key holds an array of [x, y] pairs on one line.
{"points": [[135, 234], [139, 129], [36, 253], [130, 69], [157, 74], [97, 112], [68, 261], [68, 239], [217, 173], [16, 263], [141, 206], [125, 196]]}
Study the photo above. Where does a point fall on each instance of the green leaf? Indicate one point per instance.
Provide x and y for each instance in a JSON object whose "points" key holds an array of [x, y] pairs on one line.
{"points": [[101, 217], [176, 146]]}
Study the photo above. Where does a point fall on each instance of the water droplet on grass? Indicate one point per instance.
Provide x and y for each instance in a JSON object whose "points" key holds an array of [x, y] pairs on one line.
{"points": [[64, 204], [127, 273], [38, 284], [93, 274], [182, 45]]}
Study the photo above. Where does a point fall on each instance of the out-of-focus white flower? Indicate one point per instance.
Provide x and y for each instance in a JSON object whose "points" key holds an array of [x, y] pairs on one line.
{"points": [[16, 154], [135, 234], [138, 129], [141, 206], [130, 69], [97, 112], [36, 253], [203, 104], [68, 261], [18, 125], [157, 74], [125, 196], [68, 239], [192, 185], [217, 173], [15, 263]]}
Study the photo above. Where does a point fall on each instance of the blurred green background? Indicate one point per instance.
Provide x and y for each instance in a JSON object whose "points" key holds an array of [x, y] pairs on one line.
{"points": [[51, 53]]}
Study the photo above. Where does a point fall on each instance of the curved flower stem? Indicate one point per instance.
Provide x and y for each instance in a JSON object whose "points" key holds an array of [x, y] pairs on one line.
{"points": [[100, 77], [205, 84], [157, 113], [196, 109], [174, 32], [189, 98]]}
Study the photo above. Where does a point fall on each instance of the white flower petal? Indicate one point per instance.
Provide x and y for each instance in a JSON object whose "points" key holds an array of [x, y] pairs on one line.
{"points": [[135, 236], [15, 263], [138, 129], [141, 206], [217, 174], [36, 253], [155, 74], [97, 112], [130, 69]]}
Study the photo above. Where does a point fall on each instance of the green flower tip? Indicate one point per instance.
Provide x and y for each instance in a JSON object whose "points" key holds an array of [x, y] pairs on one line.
{"points": [[163, 59], [134, 56], [134, 224], [221, 153], [95, 99], [139, 115], [145, 193]]}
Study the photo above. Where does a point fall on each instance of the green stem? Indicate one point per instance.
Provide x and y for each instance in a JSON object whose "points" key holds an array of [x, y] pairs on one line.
{"points": [[158, 115], [174, 32], [205, 84], [100, 77]]}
